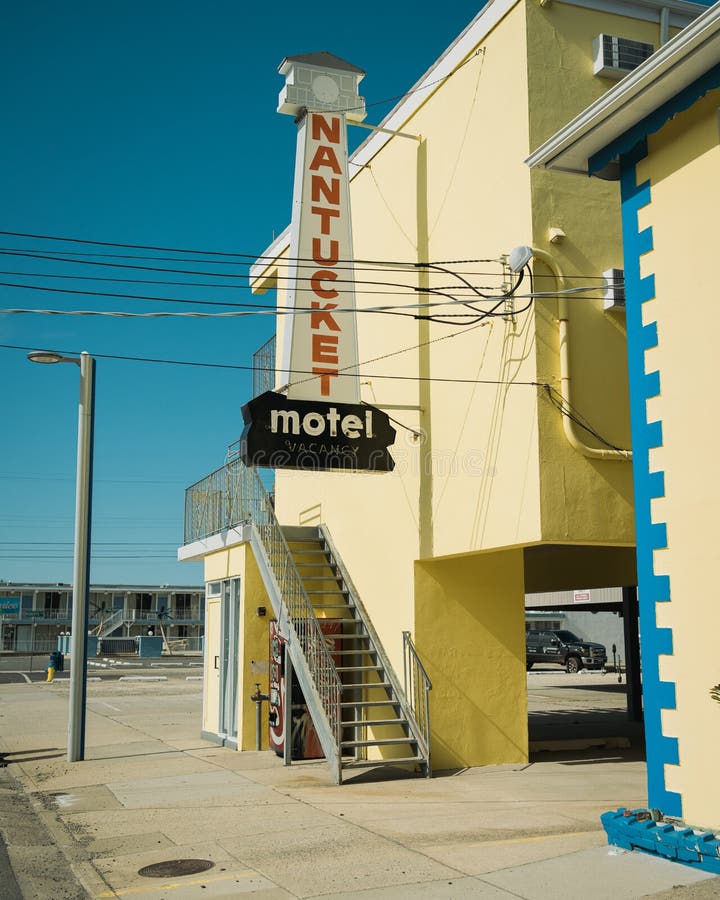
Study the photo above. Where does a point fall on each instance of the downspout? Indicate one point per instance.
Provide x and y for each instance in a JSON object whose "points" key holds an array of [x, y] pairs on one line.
{"points": [[664, 25], [565, 382]]}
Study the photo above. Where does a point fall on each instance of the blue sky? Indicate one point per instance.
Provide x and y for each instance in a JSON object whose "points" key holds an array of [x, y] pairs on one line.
{"points": [[151, 123]]}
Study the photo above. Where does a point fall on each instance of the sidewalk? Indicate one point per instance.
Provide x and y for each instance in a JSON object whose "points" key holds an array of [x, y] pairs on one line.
{"points": [[150, 791]]}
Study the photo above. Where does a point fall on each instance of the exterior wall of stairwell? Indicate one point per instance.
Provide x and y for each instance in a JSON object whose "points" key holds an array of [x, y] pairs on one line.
{"points": [[253, 642], [470, 625]]}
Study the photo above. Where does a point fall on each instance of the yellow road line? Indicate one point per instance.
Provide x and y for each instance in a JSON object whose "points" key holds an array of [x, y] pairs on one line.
{"points": [[169, 886]]}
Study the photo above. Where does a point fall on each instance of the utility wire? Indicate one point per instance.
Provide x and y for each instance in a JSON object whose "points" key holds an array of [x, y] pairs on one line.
{"points": [[422, 87], [234, 367], [232, 255], [206, 284], [567, 410], [352, 282]]}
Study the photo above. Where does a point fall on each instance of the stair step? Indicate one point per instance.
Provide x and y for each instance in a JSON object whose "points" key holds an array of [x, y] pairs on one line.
{"points": [[381, 742], [340, 592], [352, 652], [373, 686], [305, 578], [359, 668], [374, 723], [372, 763], [366, 703], [320, 606]]}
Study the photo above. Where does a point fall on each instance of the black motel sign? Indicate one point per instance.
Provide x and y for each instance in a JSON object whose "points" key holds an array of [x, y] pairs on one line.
{"points": [[315, 436]]}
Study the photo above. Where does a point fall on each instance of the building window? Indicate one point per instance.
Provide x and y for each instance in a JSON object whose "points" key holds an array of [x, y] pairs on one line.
{"points": [[51, 600], [143, 602], [183, 606]]}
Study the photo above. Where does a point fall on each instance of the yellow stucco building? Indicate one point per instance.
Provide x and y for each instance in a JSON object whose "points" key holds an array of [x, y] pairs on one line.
{"points": [[513, 465], [659, 130]]}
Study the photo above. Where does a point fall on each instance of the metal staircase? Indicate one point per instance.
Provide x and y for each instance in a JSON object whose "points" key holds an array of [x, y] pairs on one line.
{"points": [[362, 715], [378, 726], [107, 626]]}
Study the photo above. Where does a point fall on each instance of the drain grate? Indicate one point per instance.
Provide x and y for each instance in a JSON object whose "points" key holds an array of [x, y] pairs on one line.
{"points": [[174, 868]]}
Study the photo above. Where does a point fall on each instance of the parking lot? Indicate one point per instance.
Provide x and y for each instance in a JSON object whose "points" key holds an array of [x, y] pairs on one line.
{"points": [[564, 711], [17, 669], [587, 708]]}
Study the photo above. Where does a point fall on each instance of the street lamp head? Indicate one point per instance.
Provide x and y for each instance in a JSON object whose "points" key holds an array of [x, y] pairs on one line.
{"points": [[50, 357]]}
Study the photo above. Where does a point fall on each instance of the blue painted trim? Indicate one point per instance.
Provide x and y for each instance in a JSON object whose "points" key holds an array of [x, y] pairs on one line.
{"points": [[655, 121], [652, 588], [634, 829]]}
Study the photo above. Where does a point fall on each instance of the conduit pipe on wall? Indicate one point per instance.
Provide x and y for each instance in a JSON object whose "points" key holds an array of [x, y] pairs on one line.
{"points": [[563, 334]]}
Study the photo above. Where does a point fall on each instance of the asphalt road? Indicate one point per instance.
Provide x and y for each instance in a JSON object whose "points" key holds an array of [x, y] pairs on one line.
{"points": [[15, 669]]}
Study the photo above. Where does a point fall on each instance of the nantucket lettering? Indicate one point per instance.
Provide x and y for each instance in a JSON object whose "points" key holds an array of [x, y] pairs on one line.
{"points": [[325, 329], [323, 335]]}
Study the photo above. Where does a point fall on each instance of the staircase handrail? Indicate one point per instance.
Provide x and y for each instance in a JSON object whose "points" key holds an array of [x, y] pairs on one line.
{"points": [[421, 734], [417, 686], [104, 627], [315, 667]]}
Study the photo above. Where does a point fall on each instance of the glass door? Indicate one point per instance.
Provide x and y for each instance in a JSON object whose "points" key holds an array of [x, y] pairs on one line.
{"points": [[230, 623]]}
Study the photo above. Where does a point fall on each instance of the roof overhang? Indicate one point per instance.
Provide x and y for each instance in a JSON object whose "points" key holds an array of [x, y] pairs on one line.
{"points": [[675, 66]]}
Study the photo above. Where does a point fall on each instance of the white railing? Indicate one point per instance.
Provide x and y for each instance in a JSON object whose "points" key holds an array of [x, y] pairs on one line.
{"points": [[106, 625], [417, 690]]}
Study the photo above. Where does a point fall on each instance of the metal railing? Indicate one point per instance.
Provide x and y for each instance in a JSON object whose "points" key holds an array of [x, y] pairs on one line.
{"points": [[264, 368], [299, 609], [106, 625], [36, 615], [227, 497], [183, 645], [234, 495], [32, 647], [417, 687], [117, 646]]}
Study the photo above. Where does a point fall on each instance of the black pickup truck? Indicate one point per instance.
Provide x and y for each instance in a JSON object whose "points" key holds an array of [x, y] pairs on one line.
{"points": [[563, 648]]}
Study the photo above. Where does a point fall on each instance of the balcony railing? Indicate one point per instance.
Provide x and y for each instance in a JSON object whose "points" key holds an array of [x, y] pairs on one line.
{"points": [[225, 498], [37, 615], [264, 368], [180, 616]]}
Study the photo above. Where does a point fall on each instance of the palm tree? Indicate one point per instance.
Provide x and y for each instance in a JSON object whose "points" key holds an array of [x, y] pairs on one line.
{"points": [[101, 610], [162, 616]]}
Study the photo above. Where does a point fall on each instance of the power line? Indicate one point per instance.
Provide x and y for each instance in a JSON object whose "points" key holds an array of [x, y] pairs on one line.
{"points": [[234, 367], [557, 400], [422, 87], [233, 286], [95, 558], [232, 255], [95, 543]]}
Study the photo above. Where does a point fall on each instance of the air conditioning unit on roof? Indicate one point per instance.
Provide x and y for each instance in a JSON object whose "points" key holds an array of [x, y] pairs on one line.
{"points": [[614, 57]]}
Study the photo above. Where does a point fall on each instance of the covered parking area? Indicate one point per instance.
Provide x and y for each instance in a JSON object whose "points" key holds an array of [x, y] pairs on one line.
{"points": [[470, 633]]}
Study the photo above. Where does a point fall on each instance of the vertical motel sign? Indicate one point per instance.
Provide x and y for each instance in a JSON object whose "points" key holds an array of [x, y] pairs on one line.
{"points": [[320, 423]]}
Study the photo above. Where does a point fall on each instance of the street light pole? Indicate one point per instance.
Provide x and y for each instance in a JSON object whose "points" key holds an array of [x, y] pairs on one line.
{"points": [[81, 557]]}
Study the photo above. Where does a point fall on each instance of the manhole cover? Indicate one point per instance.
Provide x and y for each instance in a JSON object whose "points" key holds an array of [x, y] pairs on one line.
{"points": [[172, 868]]}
